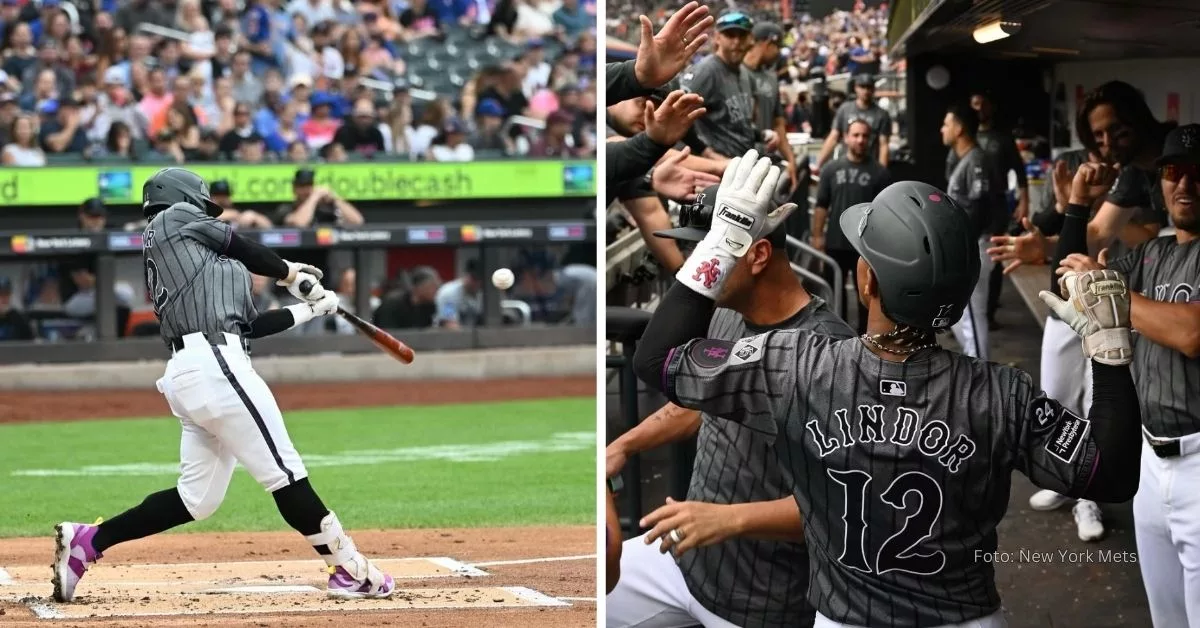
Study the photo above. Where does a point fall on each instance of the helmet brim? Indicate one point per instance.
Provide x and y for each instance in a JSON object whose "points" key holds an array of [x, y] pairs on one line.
{"points": [[212, 209]]}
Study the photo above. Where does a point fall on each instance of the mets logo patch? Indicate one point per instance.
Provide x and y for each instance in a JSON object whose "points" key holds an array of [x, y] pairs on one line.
{"points": [[709, 353], [893, 388], [708, 272]]}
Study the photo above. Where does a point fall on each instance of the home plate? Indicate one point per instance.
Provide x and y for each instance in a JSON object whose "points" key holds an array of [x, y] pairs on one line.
{"points": [[239, 601], [104, 579]]}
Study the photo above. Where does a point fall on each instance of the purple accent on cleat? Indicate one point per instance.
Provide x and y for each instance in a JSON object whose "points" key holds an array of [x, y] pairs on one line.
{"points": [[344, 585], [72, 554]]}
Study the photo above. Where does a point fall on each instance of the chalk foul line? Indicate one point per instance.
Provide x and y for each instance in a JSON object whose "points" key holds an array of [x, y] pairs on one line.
{"points": [[461, 453], [530, 561]]}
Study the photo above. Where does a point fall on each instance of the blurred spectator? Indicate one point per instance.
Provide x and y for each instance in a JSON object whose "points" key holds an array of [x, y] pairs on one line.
{"points": [[419, 20], [553, 142], [362, 134], [14, 324], [243, 127], [93, 215], [252, 150], [452, 145], [116, 104], [346, 287], [459, 302], [433, 120], [571, 19], [23, 149], [62, 133], [489, 133], [209, 148], [82, 304], [315, 205], [321, 128], [334, 153], [247, 87], [19, 52], [117, 145], [8, 112], [261, 291], [47, 61], [181, 122], [286, 130], [165, 147], [413, 308], [537, 70], [138, 11], [298, 152]]}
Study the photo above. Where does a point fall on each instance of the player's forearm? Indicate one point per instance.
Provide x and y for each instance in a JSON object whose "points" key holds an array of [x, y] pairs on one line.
{"points": [[1172, 325], [1072, 238], [777, 520], [1133, 234], [613, 547], [818, 221], [884, 150], [785, 147], [650, 216], [257, 258], [831, 140], [671, 423], [681, 316], [1116, 425], [275, 321]]}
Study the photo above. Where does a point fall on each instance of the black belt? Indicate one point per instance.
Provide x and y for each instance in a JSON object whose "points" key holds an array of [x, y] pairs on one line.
{"points": [[213, 338], [1167, 449]]}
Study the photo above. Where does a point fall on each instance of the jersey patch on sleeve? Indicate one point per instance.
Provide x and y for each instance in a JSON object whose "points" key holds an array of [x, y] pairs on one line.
{"points": [[748, 349], [710, 353], [1068, 435]]}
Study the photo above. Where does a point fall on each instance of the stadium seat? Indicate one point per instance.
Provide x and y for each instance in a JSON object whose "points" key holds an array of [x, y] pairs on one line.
{"points": [[138, 318]]}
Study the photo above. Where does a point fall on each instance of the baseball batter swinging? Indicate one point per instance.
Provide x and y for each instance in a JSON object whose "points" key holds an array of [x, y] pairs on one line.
{"points": [[901, 452], [197, 272]]}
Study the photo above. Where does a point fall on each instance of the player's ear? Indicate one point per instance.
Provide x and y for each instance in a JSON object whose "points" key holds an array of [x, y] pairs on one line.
{"points": [[870, 284], [759, 256]]}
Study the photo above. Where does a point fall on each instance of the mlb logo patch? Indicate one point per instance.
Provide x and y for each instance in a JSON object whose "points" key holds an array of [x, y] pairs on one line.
{"points": [[892, 388]]}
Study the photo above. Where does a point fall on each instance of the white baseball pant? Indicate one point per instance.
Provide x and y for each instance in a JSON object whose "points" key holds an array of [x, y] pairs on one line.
{"points": [[652, 593], [971, 330], [995, 620], [228, 415], [1066, 373], [1166, 517]]}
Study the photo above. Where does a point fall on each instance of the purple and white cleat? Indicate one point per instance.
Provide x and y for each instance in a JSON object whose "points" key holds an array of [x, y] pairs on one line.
{"points": [[358, 579], [72, 554]]}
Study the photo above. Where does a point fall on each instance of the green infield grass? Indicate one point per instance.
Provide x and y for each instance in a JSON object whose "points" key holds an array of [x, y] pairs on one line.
{"points": [[486, 464]]}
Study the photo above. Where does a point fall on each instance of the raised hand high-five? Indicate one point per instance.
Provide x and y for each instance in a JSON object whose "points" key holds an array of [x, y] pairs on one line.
{"points": [[663, 55], [669, 122]]}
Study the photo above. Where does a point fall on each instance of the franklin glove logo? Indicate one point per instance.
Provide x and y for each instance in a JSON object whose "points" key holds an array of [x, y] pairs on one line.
{"points": [[708, 272], [735, 217]]}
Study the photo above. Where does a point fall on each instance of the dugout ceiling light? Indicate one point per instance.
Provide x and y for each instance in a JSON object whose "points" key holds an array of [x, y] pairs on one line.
{"points": [[995, 31]]}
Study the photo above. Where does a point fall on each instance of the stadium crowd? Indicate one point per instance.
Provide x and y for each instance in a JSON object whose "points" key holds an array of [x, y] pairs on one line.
{"points": [[267, 80]]}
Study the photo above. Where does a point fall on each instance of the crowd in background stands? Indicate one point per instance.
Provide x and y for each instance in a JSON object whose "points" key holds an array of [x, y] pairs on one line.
{"points": [[173, 81], [853, 42]]}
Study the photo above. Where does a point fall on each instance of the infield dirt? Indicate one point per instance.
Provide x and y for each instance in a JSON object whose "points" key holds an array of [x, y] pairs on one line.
{"points": [[464, 599]]}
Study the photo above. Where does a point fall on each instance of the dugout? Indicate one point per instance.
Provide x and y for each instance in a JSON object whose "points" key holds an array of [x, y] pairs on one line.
{"points": [[1056, 51]]}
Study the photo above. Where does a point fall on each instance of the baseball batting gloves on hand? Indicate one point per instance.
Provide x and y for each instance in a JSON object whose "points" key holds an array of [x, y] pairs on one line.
{"points": [[294, 270], [745, 212], [327, 304], [1097, 308]]}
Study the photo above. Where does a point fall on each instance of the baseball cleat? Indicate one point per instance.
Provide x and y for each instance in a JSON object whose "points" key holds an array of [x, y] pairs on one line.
{"points": [[1089, 520], [72, 554], [1047, 500], [374, 583]]}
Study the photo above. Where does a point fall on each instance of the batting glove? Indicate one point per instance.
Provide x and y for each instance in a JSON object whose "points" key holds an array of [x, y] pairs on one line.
{"points": [[294, 270], [1097, 308], [315, 292], [327, 304], [745, 210]]}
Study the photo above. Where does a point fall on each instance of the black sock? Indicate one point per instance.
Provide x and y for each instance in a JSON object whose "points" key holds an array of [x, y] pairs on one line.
{"points": [[158, 512], [301, 507]]}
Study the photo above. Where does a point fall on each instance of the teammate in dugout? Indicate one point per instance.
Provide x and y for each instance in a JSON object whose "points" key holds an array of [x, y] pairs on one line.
{"points": [[901, 451], [1165, 310], [198, 277], [738, 537]]}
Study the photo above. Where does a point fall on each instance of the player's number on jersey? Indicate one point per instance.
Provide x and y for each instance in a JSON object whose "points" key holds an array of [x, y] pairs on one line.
{"points": [[158, 293], [916, 495]]}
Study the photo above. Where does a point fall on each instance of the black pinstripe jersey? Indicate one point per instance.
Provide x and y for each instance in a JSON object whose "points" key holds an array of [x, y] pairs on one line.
{"points": [[902, 470], [1168, 382], [193, 286], [751, 583]]}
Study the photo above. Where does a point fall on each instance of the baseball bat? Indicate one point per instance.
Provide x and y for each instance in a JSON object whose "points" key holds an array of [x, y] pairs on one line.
{"points": [[385, 341]]}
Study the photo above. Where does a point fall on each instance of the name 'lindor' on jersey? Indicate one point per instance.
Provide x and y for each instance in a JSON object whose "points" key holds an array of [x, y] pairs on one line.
{"points": [[905, 430]]}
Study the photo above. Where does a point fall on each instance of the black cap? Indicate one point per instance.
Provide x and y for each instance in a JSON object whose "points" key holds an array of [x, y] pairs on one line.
{"points": [[864, 80], [1182, 144], [220, 186], [304, 176], [94, 207], [766, 31], [702, 208]]}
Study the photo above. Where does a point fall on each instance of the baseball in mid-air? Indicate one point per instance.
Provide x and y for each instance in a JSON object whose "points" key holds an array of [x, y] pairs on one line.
{"points": [[503, 278]]}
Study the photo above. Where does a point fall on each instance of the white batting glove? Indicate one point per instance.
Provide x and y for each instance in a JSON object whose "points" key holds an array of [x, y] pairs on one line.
{"points": [[313, 295], [1096, 308], [327, 304], [744, 212], [294, 270]]}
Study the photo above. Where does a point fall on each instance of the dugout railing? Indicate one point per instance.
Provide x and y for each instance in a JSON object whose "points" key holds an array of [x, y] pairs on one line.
{"points": [[492, 239]]}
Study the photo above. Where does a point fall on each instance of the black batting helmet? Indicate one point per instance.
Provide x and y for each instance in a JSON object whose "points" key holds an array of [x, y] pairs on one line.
{"points": [[923, 250], [176, 185]]}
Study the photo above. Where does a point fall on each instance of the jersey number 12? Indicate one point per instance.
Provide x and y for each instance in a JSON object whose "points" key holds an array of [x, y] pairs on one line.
{"points": [[898, 552]]}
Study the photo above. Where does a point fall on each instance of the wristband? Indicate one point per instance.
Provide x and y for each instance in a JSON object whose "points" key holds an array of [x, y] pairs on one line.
{"points": [[301, 313]]}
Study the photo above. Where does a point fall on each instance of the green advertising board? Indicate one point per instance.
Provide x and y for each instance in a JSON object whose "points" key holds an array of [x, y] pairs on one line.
{"points": [[272, 183]]}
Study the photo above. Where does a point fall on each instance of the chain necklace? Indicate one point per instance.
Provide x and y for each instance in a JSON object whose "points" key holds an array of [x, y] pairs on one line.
{"points": [[873, 340]]}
